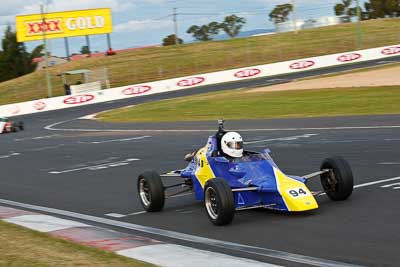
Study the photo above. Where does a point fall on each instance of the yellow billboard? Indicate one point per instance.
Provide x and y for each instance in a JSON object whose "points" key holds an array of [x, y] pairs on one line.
{"points": [[64, 24]]}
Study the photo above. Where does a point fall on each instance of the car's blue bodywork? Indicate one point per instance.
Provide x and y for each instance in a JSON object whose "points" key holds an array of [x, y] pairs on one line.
{"points": [[255, 179]]}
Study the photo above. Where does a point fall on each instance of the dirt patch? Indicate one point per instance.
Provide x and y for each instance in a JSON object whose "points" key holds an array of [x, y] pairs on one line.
{"points": [[370, 78]]}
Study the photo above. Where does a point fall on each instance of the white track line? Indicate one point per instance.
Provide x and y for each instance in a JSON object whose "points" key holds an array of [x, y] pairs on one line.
{"points": [[282, 255], [118, 215], [52, 127], [97, 167], [391, 185], [117, 140], [377, 182], [37, 137], [370, 183], [289, 138], [171, 255], [9, 155], [43, 223]]}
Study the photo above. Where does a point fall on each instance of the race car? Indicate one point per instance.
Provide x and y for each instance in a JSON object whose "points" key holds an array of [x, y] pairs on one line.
{"points": [[6, 126], [227, 184]]}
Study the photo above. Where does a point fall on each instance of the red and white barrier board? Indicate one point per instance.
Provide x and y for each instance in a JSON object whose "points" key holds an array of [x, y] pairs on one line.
{"points": [[198, 80]]}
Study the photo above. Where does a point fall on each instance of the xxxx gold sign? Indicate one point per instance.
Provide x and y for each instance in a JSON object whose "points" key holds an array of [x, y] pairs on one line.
{"points": [[64, 24]]}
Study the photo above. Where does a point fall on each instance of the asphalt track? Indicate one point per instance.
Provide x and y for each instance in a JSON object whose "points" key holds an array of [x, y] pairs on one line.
{"points": [[94, 173]]}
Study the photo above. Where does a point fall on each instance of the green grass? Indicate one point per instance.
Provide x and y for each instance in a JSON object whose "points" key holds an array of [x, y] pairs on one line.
{"points": [[167, 62], [23, 247], [244, 104]]}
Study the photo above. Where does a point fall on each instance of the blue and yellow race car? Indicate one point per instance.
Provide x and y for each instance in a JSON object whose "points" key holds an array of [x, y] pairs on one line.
{"points": [[253, 180]]}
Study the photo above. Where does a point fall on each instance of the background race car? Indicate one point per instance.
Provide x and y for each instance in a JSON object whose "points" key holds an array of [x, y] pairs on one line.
{"points": [[6, 126]]}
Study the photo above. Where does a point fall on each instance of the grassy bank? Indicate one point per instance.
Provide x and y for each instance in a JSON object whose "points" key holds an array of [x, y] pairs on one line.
{"points": [[243, 104], [166, 62], [23, 247]]}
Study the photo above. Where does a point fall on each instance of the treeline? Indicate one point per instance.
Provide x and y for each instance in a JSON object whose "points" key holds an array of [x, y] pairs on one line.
{"points": [[231, 26], [15, 61], [372, 9]]}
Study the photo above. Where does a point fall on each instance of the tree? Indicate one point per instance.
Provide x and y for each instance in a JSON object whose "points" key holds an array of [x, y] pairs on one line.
{"points": [[232, 25], [373, 9], [204, 32], [281, 13], [343, 9], [383, 8], [85, 50], [15, 61], [171, 39]]}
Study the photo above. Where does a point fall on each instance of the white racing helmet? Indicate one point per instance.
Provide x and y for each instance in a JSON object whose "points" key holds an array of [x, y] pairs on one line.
{"points": [[232, 144]]}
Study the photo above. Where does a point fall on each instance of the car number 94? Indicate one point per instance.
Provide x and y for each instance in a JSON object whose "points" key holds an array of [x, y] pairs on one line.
{"points": [[297, 192]]}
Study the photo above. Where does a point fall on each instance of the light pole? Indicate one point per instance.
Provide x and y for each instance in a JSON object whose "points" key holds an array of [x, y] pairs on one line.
{"points": [[174, 16], [359, 33], [46, 59], [294, 16]]}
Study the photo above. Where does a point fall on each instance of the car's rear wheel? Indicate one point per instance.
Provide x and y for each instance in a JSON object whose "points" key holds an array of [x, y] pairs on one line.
{"points": [[338, 181], [151, 191], [219, 201]]}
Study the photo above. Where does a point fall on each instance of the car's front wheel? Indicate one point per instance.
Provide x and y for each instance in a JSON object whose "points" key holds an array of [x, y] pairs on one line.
{"points": [[219, 201], [151, 191], [337, 182]]}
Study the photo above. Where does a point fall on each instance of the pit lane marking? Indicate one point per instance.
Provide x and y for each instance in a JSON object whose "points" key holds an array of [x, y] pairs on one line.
{"points": [[98, 167], [117, 140]]}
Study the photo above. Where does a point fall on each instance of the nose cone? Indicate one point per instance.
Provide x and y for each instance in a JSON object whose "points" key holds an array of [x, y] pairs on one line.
{"points": [[295, 194]]}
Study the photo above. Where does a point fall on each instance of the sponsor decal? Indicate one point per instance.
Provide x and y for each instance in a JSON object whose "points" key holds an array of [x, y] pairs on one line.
{"points": [[349, 57], [14, 110], [191, 81], [391, 50], [247, 73], [136, 90], [49, 26], [63, 24], [302, 64], [78, 99], [40, 105]]}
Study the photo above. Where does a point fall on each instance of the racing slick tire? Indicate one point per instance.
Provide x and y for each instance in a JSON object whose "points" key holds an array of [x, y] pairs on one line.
{"points": [[219, 201], [338, 182], [151, 191]]}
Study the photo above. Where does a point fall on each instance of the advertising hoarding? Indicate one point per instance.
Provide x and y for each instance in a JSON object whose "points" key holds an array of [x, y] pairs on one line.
{"points": [[64, 24]]}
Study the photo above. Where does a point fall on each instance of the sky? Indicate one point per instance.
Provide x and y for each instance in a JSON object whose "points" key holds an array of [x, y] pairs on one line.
{"points": [[146, 22]]}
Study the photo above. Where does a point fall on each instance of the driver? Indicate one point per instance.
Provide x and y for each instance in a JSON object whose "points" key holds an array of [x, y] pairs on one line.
{"points": [[232, 145]]}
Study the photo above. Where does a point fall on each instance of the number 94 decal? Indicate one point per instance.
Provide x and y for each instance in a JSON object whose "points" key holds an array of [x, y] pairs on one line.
{"points": [[298, 192]]}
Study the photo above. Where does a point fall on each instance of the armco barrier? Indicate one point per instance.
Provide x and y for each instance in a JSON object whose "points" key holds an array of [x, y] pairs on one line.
{"points": [[197, 80]]}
